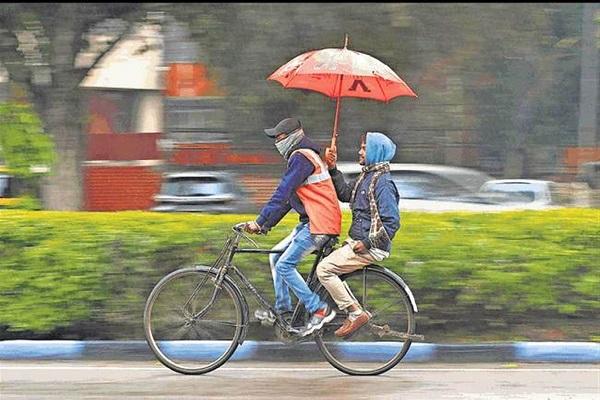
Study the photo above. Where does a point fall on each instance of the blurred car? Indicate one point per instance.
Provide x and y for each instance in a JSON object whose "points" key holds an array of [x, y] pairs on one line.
{"points": [[430, 187], [526, 193], [426, 180], [589, 173], [198, 191], [8, 188]]}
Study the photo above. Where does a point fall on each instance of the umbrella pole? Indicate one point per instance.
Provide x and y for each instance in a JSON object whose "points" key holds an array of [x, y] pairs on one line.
{"points": [[337, 113], [335, 123], [337, 106]]}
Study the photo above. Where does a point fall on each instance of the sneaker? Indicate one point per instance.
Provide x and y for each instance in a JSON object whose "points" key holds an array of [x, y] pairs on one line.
{"points": [[318, 319], [353, 323]]}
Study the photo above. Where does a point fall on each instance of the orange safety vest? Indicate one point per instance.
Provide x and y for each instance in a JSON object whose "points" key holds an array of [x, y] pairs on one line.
{"points": [[319, 198]]}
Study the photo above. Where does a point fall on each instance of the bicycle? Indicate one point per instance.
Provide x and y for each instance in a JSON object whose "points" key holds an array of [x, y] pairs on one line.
{"points": [[196, 317]]}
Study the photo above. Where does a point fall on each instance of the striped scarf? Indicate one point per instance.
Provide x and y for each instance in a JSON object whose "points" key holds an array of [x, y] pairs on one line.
{"points": [[286, 145], [378, 236]]}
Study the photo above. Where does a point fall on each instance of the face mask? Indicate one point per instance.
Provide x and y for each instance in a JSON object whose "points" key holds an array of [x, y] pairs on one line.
{"points": [[286, 144]]}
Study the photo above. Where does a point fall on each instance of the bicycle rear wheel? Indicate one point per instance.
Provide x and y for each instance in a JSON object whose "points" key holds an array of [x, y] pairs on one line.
{"points": [[192, 326], [380, 344]]}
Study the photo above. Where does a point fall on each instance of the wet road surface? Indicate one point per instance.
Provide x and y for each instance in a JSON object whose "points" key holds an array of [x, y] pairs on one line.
{"points": [[266, 380]]}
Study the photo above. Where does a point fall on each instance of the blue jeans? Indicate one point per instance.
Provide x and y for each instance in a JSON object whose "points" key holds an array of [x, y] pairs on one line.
{"points": [[296, 246]]}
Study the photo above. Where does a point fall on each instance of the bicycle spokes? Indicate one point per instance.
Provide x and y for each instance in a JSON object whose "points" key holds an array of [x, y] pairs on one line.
{"points": [[380, 343], [192, 325]]}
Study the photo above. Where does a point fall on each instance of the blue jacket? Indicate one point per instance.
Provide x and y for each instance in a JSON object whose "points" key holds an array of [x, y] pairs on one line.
{"points": [[386, 194], [285, 198]]}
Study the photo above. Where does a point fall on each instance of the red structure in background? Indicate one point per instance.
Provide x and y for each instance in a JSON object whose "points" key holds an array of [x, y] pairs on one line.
{"points": [[124, 167], [189, 80], [152, 121], [123, 146], [216, 154], [119, 172], [118, 188], [102, 114], [575, 156], [111, 184]]}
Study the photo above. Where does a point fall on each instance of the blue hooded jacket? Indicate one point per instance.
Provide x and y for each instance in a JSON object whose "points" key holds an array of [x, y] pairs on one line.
{"points": [[379, 148]]}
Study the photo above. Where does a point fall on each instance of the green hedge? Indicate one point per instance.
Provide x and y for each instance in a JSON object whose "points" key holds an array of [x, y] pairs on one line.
{"points": [[86, 275]]}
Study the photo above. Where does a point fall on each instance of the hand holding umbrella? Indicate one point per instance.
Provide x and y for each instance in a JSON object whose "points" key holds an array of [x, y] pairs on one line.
{"points": [[331, 157]]}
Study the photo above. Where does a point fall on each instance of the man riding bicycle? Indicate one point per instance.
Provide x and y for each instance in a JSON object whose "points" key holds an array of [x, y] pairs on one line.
{"points": [[306, 186]]}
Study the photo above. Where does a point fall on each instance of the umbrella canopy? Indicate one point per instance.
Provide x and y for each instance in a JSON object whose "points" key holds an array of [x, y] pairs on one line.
{"points": [[341, 72]]}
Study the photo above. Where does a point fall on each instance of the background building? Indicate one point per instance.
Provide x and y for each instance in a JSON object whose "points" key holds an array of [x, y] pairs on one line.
{"points": [[161, 100]]}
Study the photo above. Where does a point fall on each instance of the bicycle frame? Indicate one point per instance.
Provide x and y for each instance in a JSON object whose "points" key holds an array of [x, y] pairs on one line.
{"points": [[299, 306], [231, 249]]}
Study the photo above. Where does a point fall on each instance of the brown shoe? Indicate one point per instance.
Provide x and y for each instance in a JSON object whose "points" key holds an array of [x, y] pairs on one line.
{"points": [[350, 326]]}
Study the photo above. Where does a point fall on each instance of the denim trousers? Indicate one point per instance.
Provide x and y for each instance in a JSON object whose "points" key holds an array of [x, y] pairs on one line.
{"points": [[295, 246]]}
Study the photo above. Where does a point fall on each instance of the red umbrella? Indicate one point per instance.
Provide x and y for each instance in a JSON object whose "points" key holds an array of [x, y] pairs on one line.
{"points": [[338, 73]]}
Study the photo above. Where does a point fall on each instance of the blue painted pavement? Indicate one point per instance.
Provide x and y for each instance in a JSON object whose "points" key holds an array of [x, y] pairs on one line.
{"points": [[568, 352]]}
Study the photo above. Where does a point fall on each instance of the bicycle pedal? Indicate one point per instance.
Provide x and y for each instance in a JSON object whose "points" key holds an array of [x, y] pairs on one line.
{"points": [[293, 331], [265, 318]]}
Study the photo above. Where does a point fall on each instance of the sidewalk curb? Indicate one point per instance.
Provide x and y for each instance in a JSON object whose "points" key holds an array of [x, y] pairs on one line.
{"points": [[567, 352]]}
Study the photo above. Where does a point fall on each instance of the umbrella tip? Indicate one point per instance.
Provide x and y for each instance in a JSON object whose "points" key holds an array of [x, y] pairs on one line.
{"points": [[346, 41]]}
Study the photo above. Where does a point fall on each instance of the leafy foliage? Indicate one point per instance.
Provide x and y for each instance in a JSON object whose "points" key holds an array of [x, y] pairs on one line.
{"points": [[87, 275], [504, 75], [23, 143]]}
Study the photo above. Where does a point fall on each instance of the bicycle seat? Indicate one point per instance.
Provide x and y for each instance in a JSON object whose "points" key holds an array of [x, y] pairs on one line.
{"points": [[326, 246]]}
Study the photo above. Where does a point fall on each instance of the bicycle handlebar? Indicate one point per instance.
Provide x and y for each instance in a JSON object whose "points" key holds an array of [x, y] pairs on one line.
{"points": [[239, 227]]}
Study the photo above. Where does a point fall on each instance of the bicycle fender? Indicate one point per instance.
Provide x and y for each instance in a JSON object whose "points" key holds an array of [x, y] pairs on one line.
{"points": [[245, 309]]}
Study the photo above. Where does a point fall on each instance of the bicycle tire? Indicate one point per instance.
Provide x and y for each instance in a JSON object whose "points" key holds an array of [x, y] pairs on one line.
{"points": [[326, 347], [228, 290]]}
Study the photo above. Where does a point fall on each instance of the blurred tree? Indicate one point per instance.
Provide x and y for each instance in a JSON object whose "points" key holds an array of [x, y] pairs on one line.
{"points": [[23, 144], [519, 82], [247, 42], [40, 42], [24, 148], [588, 112], [503, 75]]}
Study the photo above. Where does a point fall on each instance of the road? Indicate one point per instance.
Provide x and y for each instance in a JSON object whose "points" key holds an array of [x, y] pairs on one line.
{"points": [[55, 380]]}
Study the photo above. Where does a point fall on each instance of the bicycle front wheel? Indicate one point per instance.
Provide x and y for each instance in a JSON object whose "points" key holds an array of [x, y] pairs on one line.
{"points": [[380, 344], [191, 325]]}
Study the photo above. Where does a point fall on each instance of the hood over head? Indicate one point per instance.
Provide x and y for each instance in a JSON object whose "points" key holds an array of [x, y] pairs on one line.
{"points": [[379, 148]]}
